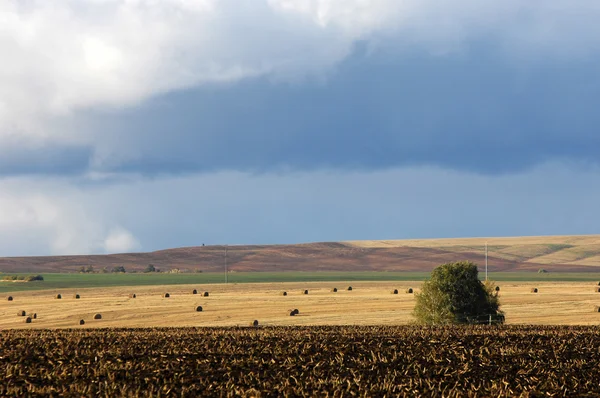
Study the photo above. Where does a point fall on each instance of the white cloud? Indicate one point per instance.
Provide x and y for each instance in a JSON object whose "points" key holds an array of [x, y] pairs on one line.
{"points": [[65, 55], [53, 217], [119, 240]]}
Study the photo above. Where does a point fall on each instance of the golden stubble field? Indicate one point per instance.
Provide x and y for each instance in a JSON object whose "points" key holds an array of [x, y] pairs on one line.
{"points": [[369, 303]]}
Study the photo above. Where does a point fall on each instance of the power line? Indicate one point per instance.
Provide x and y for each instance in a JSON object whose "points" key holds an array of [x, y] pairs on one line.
{"points": [[225, 264], [486, 261]]}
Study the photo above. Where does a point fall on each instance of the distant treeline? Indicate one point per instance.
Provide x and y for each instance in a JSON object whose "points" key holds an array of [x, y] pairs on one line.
{"points": [[91, 270], [121, 270], [24, 278]]}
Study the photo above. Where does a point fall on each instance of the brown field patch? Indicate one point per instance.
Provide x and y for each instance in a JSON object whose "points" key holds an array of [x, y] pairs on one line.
{"points": [[556, 253]]}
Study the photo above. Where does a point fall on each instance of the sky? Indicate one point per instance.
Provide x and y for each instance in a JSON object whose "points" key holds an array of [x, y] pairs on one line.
{"points": [[140, 125]]}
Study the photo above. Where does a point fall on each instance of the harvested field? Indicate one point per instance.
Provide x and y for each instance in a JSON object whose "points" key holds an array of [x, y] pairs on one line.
{"points": [[568, 303], [302, 361]]}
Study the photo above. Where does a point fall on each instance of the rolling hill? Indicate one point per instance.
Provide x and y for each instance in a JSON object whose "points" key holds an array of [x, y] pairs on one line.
{"points": [[552, 253]]}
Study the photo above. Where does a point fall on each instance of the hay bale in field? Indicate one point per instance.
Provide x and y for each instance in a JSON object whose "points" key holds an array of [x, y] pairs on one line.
{"points": [[284, 293], [255, 323], [598, 290], [534, 290], [205, 294], [34, 316], [194, 291], [28, 320], [497, 288], [296, 311], [334, 290], [21, 313], [76, 296], [58, 296], [409, 290], [199, 308], [10, 298], [166, 295], [395, 291], [132, 295], [98, 316], [305, 292], [349, 288], [81, 322], [597, 308]]}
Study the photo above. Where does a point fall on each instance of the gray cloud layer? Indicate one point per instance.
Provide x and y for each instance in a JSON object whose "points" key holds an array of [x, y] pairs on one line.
{"points": [[471, 111]]}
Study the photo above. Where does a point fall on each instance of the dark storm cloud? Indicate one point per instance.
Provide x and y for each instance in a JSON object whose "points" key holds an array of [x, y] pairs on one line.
{"points": [[44, 159], [474, 111]]}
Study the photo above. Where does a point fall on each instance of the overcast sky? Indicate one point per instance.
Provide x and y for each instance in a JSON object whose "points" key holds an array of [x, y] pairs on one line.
{"points": [[138, 125]]}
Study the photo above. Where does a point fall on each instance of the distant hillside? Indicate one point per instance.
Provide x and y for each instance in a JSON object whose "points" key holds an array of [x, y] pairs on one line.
{"points": [[553, 253]]}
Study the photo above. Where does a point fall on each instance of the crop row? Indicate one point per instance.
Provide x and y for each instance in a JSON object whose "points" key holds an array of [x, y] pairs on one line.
{"points": [[302, 361]]}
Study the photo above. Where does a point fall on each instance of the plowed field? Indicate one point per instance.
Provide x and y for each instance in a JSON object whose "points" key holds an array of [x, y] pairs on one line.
{"points": [[303, 361]]}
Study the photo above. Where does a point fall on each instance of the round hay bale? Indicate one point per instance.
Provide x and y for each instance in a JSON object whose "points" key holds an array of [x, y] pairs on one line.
{"points": [[598, 290], [395, 291], [98, 316], [194, 291], [199, 308], [205, 294], [284, 293], [58, 296], [334, 290], [497, 288], [28, 320], [34, 316], [305, 292], [76, 296], [534, 290], [21, 313], [409, 290], [597, 308], [81, 322], [10, 298], [132, 295], [166, 295], [255, 323], [293, 311], [349, 288]]}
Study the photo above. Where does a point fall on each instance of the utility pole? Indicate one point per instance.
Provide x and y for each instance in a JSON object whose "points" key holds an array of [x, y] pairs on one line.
{"points": [[486, 262], [225, 264]]}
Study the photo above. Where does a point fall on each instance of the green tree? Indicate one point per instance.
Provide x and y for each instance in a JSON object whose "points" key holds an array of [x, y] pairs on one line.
{"points": [[31, 278], [454, 295], [150, 268], [118, 269]]}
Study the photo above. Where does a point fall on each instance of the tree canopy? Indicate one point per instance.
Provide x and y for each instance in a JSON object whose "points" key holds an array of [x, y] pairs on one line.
{"points": [[455, 295]]}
